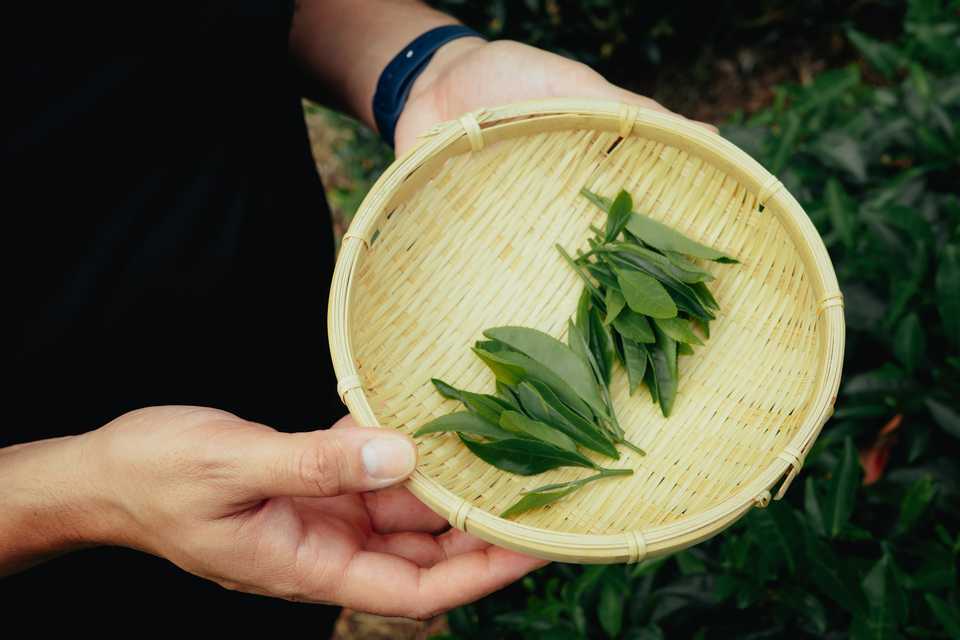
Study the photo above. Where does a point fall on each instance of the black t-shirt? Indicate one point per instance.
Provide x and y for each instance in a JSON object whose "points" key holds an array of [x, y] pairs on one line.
{"points": [[171, 245]]}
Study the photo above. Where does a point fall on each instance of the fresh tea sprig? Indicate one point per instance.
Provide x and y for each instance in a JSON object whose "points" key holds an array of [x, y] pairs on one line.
{"points": [[550, 403], [640, 279]]}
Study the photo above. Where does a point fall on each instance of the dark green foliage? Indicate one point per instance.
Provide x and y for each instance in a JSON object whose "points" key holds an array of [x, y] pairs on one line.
{"points": [[875, 164]]}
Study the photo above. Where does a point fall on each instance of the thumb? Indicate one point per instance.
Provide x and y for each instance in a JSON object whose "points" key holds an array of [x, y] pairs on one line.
{"points": [[329, 463]]}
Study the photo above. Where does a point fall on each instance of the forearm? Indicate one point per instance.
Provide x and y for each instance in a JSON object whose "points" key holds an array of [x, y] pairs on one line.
{"points": [[345, 44], [48, 506]]}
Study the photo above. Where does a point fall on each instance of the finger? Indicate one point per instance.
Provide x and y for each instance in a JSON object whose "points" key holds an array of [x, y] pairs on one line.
{"points": [[396, 509], [423, 549], [390, 585], [325, 463]]}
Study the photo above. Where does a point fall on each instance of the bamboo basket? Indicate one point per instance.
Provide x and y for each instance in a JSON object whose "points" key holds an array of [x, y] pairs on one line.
{"points": [[458, 236]]}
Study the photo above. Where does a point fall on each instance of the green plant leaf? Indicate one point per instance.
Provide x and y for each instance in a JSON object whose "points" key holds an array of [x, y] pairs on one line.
{"points": [[486, 406], [842, 490], [603, 349], [463, 422], [634, 326], [635, 357], [945, 416], [915, 502], [535, 500], [882, 56], [644, 294], [689, 273], [664, 360], [618, 215], [909, 342], [610, 610], [678, 329], [525, 457], [615, 303], [511, 368], [812, 507], [947, 287], [555, 356], [886, 604], [541, 404], [948, 616], [843, 213], [660, 236], [520, 425], [776, 529]]}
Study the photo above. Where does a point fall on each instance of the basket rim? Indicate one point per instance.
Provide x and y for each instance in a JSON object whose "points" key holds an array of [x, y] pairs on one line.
{"points": [[470, 132]]}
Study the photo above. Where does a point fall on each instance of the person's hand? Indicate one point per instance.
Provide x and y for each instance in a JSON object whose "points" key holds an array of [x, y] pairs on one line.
{"points": [[302, 516], [469, 73]]}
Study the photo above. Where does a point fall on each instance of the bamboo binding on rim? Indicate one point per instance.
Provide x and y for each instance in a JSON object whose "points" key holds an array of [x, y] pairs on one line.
{"points": [[458, 236]]}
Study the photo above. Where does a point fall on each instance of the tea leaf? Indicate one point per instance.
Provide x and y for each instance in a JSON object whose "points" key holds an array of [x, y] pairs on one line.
{"points": [[535, 500], [909, 343], [945, 416], [664, 360], [948, 286], [678, 329], [915, 502], [525, 457], [635, 355], [463, 422], [603, 349], [842, 491], [540, 403], [553, 355], [521, 425], [486, 406], [660, 236], [948, 616], [511, 368], [633, 326], [615, 303], [610, 610], [645, 295], [618, 215]]}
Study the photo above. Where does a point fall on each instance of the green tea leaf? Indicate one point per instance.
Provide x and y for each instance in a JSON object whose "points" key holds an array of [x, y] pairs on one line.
{"points": [[909, 343], [618, 215], [554, 356], [842, 490], [948, 616], [682, 294], [525, 457], [668, 266], [842, 212], [540, 403], [511, 368], [945, 416], [684, 349], [678, 329], [535, 500], [650, 378], [886, 604], [645, 295], [463, 422], [633, 326], [948, 292], [915, 503], [615, 303], [509, 398], [664, 359], [635, 355], [659, 235], [814, 511], [882, 56], [603, 349], [610, 610], [486, 406], [519, 424]]}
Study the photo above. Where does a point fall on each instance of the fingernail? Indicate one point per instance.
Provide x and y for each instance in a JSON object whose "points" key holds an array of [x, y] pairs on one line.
{"points": [[385, 458]]}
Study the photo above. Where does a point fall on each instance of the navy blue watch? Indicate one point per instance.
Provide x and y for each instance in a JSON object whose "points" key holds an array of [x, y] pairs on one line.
{"points": [[397, 78]]}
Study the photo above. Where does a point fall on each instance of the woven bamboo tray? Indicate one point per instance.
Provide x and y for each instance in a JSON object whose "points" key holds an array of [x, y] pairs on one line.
{"points": [[458, 236]]}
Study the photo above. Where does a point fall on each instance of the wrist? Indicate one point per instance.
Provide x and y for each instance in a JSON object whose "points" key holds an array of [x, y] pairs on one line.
{"points": [[51, 504], [444, 58]]}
